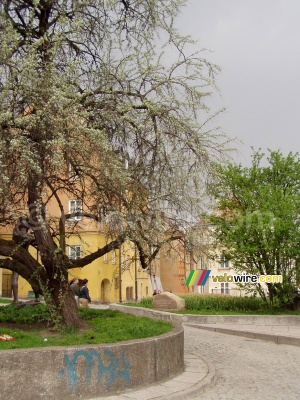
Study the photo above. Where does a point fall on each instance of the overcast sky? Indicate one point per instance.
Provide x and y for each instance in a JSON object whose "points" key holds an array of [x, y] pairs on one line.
{"points": [[257, 45]]}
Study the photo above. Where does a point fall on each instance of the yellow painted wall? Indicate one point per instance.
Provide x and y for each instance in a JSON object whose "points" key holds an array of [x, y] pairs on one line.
{"points": [[104, 274]]}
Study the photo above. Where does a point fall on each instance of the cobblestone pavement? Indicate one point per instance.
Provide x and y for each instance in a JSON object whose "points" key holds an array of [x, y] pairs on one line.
{"points": [[246, 369]]}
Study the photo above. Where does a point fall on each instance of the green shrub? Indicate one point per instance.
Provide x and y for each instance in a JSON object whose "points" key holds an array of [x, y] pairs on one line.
{"points": [[214, 303], [147, 302], [24, 315], [222, 302]]}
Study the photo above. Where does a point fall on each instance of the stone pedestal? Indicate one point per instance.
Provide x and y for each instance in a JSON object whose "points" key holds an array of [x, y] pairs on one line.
{"points": [[167, 301]]}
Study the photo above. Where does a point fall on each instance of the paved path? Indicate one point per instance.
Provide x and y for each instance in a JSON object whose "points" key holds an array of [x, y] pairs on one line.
{"points": [[221, 366], [282, 334], [246, 369]]}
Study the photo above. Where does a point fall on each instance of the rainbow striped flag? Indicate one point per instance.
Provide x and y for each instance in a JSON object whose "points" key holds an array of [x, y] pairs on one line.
{"points": [[197, 277]]}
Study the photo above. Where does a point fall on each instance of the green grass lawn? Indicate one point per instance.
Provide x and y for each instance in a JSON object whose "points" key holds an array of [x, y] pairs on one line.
{"points": [[105, 326], [5, 301]]}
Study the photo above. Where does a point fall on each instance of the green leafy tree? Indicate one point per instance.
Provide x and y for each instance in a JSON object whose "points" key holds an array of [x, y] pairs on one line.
{"points": [[257, 220], [100, 101]]}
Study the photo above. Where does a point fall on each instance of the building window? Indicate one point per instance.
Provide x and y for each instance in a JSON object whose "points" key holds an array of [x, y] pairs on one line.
{"points": [[103, 211], [74, 252], [201, 289], [200, 264], [129, 293], [73, 172], [113, 257], [105, 258], [152, 250], [125, 263], [225, 287], [224, 261], [75, 206]]}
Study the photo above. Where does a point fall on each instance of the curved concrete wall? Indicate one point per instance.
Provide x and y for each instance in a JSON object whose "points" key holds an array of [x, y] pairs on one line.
{"points": [[208, 319], [82, 372]]}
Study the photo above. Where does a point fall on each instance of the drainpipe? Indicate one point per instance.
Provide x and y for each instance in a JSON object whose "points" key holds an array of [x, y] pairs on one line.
{"points": [[135, 275], [120, 274]]}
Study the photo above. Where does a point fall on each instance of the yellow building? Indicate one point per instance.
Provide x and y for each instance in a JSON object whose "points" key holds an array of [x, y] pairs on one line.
{"points": [[115, 277]]}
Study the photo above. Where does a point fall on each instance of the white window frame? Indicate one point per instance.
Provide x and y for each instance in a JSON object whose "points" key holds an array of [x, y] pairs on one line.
{"points": [[224, 287], [152, 249], [75, 206], [200, 264], [74, 252], [201, 289], [103, 211], [105, 258], [224, 261], [72, 173], [113, 256], [125, 263]]}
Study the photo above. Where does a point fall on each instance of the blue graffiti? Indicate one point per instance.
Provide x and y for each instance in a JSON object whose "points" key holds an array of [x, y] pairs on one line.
{"points": [[111, 372]]}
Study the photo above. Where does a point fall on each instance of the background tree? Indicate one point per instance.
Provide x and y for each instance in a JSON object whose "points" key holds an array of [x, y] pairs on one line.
{"points": [[99, 101], [257, 220]]}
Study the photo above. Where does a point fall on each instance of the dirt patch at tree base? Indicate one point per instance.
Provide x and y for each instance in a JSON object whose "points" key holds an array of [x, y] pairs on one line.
{"points": [[26, 327]]}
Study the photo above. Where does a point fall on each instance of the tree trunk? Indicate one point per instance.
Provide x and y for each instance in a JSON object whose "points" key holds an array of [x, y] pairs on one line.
{"points": [[65, 306], [56, 290], [15, 286]]}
